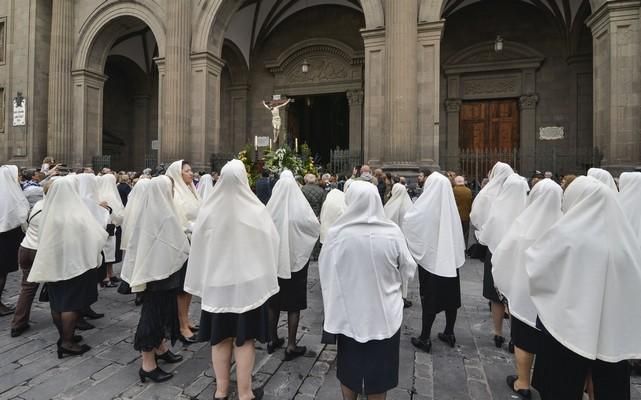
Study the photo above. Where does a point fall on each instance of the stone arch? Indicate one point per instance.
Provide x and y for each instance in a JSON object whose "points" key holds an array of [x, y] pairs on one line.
{"points": [[430, 10], [214, 16], [235, 62], [111, 21]]}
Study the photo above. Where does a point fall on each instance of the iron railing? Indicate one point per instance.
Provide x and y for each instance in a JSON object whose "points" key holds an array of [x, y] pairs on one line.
{"points": [[100, 162], [342, 161], [476, 163]]}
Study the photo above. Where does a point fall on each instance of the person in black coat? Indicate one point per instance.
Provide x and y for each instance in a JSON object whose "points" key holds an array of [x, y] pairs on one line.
{"points": [[264, 187]]}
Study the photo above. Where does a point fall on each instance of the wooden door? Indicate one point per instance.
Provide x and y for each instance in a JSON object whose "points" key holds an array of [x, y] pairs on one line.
{"points": [[489, 125]]}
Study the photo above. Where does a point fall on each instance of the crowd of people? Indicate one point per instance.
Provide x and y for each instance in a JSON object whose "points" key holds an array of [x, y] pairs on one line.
{"points": [[561, 260]]}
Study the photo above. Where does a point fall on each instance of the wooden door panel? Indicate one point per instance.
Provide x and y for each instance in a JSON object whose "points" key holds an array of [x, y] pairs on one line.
{"points": [[489, 125]]}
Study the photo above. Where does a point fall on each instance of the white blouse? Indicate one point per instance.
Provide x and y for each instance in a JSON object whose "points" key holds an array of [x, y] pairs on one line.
{"points": [[30, 240]]}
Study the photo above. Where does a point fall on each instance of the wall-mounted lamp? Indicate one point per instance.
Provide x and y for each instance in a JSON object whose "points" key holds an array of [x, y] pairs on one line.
{"points": [[305, 67], [498, 44]]}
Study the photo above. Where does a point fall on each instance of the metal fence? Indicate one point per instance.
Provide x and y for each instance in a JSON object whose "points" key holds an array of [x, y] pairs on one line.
{"points": [[342, 161], [476, 163], [151, 160], [100, 162]]}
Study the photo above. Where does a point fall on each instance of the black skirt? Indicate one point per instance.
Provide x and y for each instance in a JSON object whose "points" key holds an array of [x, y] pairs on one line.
{"points": [[525, 337], [489, 290], [250, 325], [174, 282], [75, 294], [439, 293], [158, 320], [118, 233], [292, 295], [560, 373], [9, 245], [368, 368]]}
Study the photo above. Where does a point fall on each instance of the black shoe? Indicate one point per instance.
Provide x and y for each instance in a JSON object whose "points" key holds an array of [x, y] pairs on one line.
{"points": [[425, 345], [498, 341], [194, 329], [63, 350], [188, 340], [258, 393], [407, 303], [6, 310], [447, 338], [277, 344], [157, 375], [522, 393], [169, 357], [76, 339], [91, 314], [114, 279], [15, 332], [297, 352], [108, 284], [83, 325]]}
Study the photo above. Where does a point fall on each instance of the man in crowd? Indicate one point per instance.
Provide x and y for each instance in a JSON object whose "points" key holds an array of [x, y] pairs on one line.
{"points": [[264, 187], [463, 198]]}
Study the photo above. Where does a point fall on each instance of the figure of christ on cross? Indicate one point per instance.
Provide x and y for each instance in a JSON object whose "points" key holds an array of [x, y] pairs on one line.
{"points": [[274, 108]]}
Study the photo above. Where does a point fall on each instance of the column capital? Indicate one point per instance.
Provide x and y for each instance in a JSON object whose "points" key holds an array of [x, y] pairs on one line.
{"points": [[207, 60], [453, 105], [618, 10], [355, 97], [430, 31], [528, 101], [88, 77], [161, 64], [373, 37]]}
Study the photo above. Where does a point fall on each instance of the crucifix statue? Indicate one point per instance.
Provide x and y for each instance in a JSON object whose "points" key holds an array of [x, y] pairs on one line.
{"points": [[274, 108]]}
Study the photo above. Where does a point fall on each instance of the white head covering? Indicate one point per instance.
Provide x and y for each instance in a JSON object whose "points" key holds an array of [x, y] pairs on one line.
{"points": [[14, 207], [108, 192], [133, 208], [364, 266], [333, 207], [74, 238], [296, 224], [186, 198], [347, 184], [604, 177], [88, 190], [433, 228], [234, 258], [483, 201], [508, 261], [157, 246], [205, 186], [504, 209], [630, 199], [585, 275], [398, 204]]}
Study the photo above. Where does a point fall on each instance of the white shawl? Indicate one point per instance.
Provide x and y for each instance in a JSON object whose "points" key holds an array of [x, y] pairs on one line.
{"points": [[14, 207], [585, 275], [483, 201], [604, 177], [433, 228], [108, 192], [398, 204], [508, 260], [234, 255], [504, 209], [157, 246], [88, 190], [205, 186], [133, 208], [186, 198], [363, 268], [630, 199], [71, 239], [296, 224], [333, 207]]}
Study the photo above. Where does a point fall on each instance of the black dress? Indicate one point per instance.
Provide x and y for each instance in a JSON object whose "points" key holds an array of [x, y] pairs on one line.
{"points": [[250, 325], [159, 313], [439, 293], [293, 292], [525, 337], [560, 373], [489, 290], [75, 294], [9, 245]]}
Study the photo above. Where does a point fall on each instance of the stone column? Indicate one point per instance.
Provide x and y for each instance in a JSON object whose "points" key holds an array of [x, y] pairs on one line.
{"points": [[140, 131], [374, 101], [401, 101], [453, 108], [616, 45], [429, 83], [60, 107], [174, 141], [581, 95], [527, 105], [355, 101], [238, 114], [205, 108], [86, 132]]}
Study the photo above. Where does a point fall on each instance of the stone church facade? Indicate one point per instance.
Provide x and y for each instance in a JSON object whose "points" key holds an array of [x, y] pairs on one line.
{"points": [[402, 84]]}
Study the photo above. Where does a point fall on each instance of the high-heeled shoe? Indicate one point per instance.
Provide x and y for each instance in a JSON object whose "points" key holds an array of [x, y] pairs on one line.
{"points": [[169, 357], [425, 345], [75, 339], [297, 352], [157, 375], [276, 344], [188, 340], [447, 338], [498, 341], [63, 350], [525, 394], [258, 393]]}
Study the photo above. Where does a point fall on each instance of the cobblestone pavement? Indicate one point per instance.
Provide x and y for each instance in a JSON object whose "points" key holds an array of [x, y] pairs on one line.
{"points": [[30, 370]]}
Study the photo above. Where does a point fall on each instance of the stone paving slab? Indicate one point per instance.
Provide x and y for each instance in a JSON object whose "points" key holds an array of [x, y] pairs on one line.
{"points": [[473, 370]]}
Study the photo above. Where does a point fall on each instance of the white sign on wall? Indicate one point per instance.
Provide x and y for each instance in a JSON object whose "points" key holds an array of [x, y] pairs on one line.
{"points": [[19, 111], [262, 141], [551, 133], [155, 145]]}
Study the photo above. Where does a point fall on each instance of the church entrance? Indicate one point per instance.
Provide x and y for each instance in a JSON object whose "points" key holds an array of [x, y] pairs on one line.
{"points": [[320, 121]]}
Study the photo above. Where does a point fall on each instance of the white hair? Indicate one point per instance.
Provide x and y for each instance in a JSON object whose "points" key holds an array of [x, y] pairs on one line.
{"points": [[310, 178]]}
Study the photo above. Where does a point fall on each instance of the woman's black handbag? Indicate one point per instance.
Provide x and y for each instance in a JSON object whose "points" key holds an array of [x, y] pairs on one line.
{"points": [[44, 294]]}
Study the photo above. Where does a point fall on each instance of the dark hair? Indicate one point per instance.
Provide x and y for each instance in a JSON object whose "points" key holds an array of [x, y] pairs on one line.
{"points": [[185, 162], [265, 173], [425, 171]]}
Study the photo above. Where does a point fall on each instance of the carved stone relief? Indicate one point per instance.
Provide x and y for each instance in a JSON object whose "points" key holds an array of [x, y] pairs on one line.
{"points": [[491, 87]]}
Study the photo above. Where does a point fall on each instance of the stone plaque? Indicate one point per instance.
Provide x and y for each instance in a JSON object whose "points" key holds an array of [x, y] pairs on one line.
{"points": [[551, 133], [155, 145], [262, 141], [19, 111]]}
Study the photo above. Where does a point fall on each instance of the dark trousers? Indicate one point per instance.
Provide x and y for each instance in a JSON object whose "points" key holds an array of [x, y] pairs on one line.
{"points": [[466, 232], [27, 289]]}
